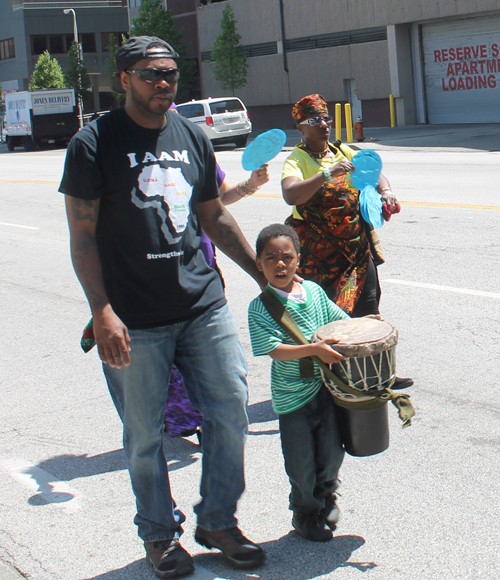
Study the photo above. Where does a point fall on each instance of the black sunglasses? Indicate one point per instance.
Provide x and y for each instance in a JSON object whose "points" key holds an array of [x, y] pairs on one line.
{"points": [[315, 121], [154, 75]]}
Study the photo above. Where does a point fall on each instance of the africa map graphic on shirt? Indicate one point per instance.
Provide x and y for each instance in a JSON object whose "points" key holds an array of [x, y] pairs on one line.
{"points": [[169, 193]]}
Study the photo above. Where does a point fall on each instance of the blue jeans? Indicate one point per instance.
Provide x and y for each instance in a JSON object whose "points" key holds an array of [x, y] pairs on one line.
{"points": [[313, 452], [207, 351]]}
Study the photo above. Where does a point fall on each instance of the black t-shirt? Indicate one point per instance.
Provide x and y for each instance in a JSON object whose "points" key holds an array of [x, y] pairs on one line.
{"points": [[148, 182]]}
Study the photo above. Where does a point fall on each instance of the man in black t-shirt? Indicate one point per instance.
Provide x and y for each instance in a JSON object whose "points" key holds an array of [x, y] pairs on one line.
{"points": [[140, 186]]}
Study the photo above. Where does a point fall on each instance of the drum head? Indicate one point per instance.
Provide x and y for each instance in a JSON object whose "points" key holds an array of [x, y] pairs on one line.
{"points": [[359, 337]]}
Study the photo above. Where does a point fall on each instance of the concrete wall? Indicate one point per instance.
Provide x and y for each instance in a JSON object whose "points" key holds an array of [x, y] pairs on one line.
{"points": [[322, 70], [337, 15], [12, 26]]}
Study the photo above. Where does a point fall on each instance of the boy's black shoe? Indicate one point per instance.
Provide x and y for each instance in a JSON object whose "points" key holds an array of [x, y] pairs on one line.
{"points": [[311, 526], [331, 511], [168, 558], [401, 383], [240, 551]]}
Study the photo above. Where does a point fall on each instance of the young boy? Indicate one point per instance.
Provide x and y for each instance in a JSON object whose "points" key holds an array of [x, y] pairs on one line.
{"points": [[310, 436]]}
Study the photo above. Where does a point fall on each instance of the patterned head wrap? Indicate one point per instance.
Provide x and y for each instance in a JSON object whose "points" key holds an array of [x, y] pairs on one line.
{"points": [[310, 106]]}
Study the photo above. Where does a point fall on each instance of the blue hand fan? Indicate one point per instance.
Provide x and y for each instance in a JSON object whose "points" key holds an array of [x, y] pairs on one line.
{"points": [[263, 148], [368, 166], [366, 177], [370, 204]]}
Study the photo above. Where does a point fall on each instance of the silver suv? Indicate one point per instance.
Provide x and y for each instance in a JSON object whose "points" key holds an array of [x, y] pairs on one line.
{"points": [[224, 120]]}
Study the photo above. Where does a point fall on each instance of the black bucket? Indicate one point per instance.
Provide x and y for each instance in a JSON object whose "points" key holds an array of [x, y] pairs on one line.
{"points": [[364, 432]]}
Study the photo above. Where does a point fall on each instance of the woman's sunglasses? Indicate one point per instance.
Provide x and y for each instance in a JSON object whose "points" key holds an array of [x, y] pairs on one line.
{"points": [[314, 121], [154, 75]]}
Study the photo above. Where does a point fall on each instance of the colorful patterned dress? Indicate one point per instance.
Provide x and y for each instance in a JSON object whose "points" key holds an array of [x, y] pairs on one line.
{"points": [[334, 245]]}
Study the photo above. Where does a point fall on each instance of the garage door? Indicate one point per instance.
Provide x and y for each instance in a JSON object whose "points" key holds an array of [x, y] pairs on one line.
{"points": [[462, 70]]}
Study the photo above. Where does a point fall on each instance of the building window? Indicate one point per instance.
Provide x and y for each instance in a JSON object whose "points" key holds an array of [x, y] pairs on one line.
{"points": [[134, 3], [61, 43], [39, 44], [56, 44], [106, 39], [7, 49], [88, 42]]}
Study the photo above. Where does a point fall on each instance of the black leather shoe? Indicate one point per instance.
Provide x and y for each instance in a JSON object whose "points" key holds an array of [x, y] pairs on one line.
{"points": [[238, 550], [168, 558], [311, 526], [401, 383]]}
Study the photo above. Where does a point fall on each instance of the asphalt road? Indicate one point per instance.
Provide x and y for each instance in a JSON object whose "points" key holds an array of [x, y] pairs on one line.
{"points": [[427, 508]]}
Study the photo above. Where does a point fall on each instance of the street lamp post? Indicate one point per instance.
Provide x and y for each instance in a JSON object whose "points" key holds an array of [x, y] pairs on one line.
{"points": [[75, 36]]}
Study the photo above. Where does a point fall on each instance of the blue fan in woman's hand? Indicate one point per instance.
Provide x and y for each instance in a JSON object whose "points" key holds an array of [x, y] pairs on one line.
{"points": [[263, 148], [366, 176], [370, 204]]}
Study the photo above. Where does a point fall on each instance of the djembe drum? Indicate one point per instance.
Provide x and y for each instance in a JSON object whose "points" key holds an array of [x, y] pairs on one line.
{"points": [[369, 346]]}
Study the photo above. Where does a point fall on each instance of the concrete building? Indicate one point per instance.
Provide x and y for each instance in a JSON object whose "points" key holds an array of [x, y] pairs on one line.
{"points": [[28, 28], [440, 59]]}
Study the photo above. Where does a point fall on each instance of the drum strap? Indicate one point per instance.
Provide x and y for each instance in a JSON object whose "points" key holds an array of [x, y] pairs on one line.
{"points": [[285, 320]]}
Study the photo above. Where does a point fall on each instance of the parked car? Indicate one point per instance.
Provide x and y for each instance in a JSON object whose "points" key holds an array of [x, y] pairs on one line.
{"points": [[224, 120]]}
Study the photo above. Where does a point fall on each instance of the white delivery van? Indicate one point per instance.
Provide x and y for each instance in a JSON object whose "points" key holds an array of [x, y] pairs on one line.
{"points": [[36, 118], [224, 120]]}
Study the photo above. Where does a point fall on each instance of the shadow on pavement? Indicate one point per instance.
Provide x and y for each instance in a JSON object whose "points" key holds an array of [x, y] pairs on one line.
{"points": [[293, 558], [261, 412], [68, 467], [179, 452], [289, 557]]}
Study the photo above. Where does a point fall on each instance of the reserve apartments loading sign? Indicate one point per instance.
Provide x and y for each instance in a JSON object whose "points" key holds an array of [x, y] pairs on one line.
{"points": [[462, 70]]}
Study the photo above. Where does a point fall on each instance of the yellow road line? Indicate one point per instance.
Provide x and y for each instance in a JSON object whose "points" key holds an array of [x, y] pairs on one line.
{"points": [[459, 205], [279, 196], [418, 203], [29, 181]]}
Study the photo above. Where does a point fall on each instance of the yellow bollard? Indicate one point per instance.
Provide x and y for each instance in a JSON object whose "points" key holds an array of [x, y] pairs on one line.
{"points": [[338, 122], [348, 122], [392, 106]]}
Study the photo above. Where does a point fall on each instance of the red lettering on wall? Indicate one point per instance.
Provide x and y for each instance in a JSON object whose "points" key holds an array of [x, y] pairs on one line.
{"points": [[437, 56], [491, 66]]}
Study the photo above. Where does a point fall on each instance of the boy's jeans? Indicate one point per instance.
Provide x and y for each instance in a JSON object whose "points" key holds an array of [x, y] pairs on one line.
{"points": [[207, 351], [313, 452]]}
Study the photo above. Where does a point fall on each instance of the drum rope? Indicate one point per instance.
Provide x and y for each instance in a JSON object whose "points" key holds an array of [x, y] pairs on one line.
{"points": [[376, 399]]}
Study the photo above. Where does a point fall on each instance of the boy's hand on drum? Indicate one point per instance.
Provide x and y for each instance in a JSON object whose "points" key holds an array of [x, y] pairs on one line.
{"points": [[325, 352], [376, 316]]}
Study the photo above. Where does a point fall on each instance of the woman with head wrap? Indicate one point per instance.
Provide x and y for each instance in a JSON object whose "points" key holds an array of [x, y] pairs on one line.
{"points": [[316, 180]]}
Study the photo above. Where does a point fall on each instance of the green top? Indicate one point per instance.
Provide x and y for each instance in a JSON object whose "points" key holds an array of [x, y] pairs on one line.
{"points": [[289, 391]]}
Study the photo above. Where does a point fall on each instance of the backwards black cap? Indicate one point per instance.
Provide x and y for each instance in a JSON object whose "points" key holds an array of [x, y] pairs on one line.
{"points": [[135, 49]]}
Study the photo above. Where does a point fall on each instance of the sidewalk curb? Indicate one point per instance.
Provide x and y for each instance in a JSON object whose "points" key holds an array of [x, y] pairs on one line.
{"points": [[8, 572]]}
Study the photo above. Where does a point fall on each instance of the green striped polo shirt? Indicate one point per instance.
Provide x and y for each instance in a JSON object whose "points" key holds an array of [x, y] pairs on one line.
{"points": [[289, 391]]}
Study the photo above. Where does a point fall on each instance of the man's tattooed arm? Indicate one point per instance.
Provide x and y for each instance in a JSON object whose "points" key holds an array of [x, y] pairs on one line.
{"points": [[110, 333]]}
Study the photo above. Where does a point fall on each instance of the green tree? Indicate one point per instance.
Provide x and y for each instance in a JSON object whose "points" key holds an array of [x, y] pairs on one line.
{"points": [[47, 74], [110, 63], [229, 60], [76, 75], [155, 20]]}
